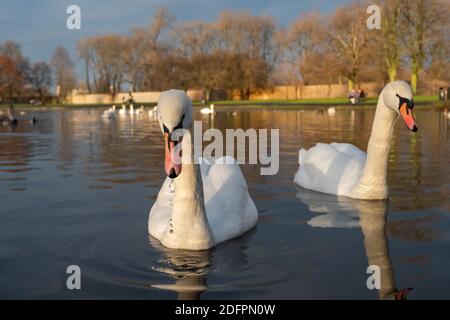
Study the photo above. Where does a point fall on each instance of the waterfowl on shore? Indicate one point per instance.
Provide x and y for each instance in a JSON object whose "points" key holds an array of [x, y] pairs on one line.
{"points": [[343, 169], [199, 205], [209, 110]]}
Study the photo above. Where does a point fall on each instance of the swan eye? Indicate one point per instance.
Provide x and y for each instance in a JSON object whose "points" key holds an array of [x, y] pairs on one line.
{"points": [[180, 124], [165, 129], [408, 102]]}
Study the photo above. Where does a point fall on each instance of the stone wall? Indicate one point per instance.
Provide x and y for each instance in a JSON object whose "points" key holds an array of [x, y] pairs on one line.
{"points": [[138, 97], [371, 89], [277, 93]]}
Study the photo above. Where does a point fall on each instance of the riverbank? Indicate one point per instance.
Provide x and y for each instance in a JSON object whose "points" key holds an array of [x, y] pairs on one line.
{"points": [[420, 101]]}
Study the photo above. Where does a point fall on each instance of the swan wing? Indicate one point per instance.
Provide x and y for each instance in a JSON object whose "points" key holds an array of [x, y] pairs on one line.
{"points": [[330, 168], [229, 207]]}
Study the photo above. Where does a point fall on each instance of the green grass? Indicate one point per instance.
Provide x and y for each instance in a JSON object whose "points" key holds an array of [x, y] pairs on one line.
{"points": [[320, 101], [252, 103]]}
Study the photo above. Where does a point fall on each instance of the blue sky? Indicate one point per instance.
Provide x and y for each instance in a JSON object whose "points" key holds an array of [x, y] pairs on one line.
{"points": [[40, 26]]}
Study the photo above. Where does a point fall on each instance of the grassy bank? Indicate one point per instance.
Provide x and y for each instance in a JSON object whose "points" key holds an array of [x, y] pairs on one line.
{"points": [[319, 101], [322, 102]]}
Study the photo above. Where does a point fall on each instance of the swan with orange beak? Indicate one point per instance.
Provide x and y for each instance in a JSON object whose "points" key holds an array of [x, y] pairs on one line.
{"points": [[199, 204], [343, 169]]}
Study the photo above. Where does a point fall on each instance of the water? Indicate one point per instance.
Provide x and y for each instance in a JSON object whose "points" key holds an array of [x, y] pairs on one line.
{"points": [[76, 189]]}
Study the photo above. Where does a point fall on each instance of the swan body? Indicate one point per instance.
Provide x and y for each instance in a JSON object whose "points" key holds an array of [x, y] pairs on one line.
{"points": [[331, 111], [131, 111], [342, 169], [199, 204], [209, 110]]}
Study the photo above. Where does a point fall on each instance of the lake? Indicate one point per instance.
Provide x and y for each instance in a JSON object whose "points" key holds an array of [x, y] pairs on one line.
{"points": [[76, 189]]}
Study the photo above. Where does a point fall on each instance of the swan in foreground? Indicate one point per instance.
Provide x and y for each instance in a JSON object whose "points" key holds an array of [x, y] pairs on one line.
{"points": [[209, 110], [199, 205], [343, 169]]}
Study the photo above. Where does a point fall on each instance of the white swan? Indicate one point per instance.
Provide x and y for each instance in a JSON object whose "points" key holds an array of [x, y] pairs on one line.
{"points": [[198, 206], [131, 111], [343, 169], [446, 113], [110, 113], [209, 110], [139, 110], [154, 112], [123, 110], [331, 111]]}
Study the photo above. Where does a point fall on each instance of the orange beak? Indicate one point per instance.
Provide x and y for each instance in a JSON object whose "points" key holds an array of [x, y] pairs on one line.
{"points": [[172, 163], [408, 117]]}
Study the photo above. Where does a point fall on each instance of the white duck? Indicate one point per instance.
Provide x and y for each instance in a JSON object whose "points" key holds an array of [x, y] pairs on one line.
{"points": [[343, 169], [198, 206], [209, 110]]}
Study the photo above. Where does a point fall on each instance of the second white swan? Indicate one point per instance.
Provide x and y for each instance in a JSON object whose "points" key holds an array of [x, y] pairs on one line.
{"points": [[343, 169]]}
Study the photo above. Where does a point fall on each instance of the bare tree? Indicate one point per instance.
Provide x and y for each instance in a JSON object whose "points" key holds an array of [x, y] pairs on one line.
{"points": [[64, 71], [41, 77], [301, 39], [422, 21], [347, 34]]}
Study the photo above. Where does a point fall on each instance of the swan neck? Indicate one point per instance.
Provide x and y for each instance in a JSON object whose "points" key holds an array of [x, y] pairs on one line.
{"points": [[189, 227], [373, 180]]}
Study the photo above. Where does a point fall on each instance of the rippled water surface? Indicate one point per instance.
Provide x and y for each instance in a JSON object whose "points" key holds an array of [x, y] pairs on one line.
{"points": [[77, 189]]}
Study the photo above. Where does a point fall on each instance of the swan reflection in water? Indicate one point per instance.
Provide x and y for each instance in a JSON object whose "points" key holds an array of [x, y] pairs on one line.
{"points": [[370, 216], [188, 270]]}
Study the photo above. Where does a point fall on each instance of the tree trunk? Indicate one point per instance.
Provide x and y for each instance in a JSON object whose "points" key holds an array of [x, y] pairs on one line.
{"points": [[392, 74], [351, 84], [88, 84], [414, 79]]}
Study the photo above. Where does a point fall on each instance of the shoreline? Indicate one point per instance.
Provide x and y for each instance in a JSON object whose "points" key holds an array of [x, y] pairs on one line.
{"points": [[421, 103]]}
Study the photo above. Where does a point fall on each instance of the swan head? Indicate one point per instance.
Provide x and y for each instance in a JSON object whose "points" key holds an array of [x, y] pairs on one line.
{"points": [[398, 96], [174, 113]]}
